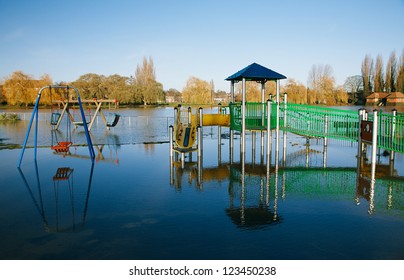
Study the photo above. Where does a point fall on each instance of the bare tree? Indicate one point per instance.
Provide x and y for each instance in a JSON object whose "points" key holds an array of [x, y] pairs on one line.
{"points": [[321, 83], [354, 86], [391, 73], [367, 75], [378, 77], [400, 74]]}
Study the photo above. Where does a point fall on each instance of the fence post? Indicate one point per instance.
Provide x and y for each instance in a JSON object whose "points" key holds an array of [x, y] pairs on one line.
{"points": [[393, 132], [374, 144], [325, 130], [325, 142], [361, 117], [171, 133], [285, 124], [171, 137], [269, 136], [199, 136]]}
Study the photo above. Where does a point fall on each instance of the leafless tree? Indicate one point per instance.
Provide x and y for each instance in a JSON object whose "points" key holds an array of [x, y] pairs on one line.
{"points": [[354, 86], [391, 73], [367, 75], [321, 83], [378, 77], [400, 74]]}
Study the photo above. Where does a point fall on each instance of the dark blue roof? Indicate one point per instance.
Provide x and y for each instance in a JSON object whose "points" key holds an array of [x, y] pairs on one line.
{"points": [[256, 72]]}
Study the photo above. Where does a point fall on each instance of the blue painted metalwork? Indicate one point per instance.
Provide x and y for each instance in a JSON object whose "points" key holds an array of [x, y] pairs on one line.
{"points": [[35, 116]]}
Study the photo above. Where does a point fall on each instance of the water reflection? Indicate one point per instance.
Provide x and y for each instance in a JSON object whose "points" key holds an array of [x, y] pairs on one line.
{"points": [[366, 184], [254, 189], [62, 207]]}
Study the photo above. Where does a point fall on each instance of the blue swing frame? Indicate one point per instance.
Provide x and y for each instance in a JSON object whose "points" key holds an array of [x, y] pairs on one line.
{"points": [[35, 116]]}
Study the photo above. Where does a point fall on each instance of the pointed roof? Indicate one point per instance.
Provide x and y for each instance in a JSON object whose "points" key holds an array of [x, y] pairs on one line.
{"points": [[256, 72], [377, 95], [396, 95]]}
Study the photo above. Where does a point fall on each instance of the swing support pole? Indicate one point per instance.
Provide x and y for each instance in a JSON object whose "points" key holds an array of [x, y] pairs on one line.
{"points": [[35, 116]]}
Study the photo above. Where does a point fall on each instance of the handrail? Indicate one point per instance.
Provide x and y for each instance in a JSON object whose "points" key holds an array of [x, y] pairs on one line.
{"points": [[318, 121]]}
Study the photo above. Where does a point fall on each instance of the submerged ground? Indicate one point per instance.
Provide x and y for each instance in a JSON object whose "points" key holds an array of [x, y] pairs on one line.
{"points": [[134, 204]]}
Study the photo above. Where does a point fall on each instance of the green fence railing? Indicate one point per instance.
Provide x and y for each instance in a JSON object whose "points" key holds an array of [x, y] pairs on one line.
{"points": [[390, 131], [318, 121], [256, 116]]}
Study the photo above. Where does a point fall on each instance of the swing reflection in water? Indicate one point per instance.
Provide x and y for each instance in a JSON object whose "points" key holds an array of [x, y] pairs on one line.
{"points": [[65, 209]]}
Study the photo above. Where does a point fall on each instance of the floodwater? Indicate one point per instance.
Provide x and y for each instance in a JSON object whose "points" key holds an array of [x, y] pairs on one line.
{"points": [[134, 203]]}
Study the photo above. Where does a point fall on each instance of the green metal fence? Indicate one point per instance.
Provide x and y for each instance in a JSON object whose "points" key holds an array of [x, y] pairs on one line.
{"points": [[256, 116], [318, 121], [390, 131]]}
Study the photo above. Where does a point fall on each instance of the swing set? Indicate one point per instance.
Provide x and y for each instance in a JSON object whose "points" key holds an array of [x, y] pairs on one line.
{"points": [[56, 118], [110, 121]]}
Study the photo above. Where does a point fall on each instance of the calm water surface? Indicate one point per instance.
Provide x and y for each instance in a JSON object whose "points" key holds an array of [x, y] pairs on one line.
{"points": [[134, 204]]}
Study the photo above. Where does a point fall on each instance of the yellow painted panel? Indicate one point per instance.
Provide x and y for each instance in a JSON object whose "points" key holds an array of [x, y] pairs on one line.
{"points": [[216, 119]]}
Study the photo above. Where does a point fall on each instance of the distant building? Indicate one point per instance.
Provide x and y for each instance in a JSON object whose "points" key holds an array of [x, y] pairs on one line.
{"points": [[220, 97], [173, 96], [395, 98], [385, 98]]}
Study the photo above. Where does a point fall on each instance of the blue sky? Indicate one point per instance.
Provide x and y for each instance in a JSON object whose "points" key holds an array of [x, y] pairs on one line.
{"points": [[207, 39]]}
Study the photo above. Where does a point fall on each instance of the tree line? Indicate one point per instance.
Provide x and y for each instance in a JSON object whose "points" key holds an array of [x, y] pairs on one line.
{"points": [[143, 88], [379, 78]]}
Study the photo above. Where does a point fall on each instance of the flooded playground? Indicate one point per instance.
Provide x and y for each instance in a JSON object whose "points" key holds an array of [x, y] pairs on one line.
{"points": [[134, 202]]}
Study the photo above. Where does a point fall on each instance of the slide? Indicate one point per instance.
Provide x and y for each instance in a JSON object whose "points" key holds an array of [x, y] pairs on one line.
{"points": [[185, 135]]}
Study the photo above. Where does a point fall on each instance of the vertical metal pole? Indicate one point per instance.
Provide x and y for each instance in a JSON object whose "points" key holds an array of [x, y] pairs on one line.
{"points": [[263, 91], [182, 159], [325, 142], [189, 115], [36, 134], [285, 124], [83, 117], [199, 163], [360, 117], [325, 131], [269, 133], [243, 105], [393, 133], [231, 144], [200, 138], [232, 92], [171, 137], [254, 137], [374, 145], [175, 115], [219, 143], [277, 121], [231, 152], [262, 119], [34, 113], [242, 202]]}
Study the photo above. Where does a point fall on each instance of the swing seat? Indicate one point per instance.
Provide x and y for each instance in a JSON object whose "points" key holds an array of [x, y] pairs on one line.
{"points": [[80, 123], [113, 120], [55, 118], [63, 173], [62, 147]]}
